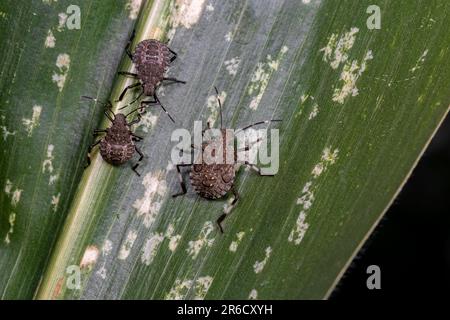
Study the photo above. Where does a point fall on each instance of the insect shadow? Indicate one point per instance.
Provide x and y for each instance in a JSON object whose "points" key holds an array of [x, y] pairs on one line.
{"points": [[151, 58], [117, 146], [216, 180]]}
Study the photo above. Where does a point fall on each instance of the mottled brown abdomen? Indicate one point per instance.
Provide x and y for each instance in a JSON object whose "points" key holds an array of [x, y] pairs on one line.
{"points": [[212, 181], [116, 153], [151, 58]]}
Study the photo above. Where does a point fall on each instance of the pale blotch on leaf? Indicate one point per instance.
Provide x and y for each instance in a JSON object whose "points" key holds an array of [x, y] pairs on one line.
{"points": [[349, 75], [15, 195], [232, 65], [228, 36], [187, 13], [213, 106], [148, 121], [253, 295], [32, 123], [203, 240], [336, 50], [151, 247], [90, 257], [259, 265], [6, 133], [47, 165], [419, 62], [55, 202], [133, 7], [199, 287], [63, 64], [307, 197], [314, 112], [151, 201], [50, 40], [126, 247], [234, 244], [11, 220], [62, 18], [107, 247], [261, 76]]}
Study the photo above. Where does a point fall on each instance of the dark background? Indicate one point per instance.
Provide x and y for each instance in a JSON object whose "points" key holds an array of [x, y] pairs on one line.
{"points": [[411, 245]]}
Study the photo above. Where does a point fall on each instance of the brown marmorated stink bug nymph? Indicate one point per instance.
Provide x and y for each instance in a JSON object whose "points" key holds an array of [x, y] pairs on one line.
{"points": [[151, 58], [118, 144], [213, 180]]}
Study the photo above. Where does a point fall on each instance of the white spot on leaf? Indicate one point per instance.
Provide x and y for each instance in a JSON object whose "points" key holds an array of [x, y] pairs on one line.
{"points": [[62, 18], [187, 13], [32, 123], [11, 220], [307, 197], [314, 112], [6, 132], [234, 245], [232, 65], [63, 64], [150, 204], [336, 51], [253, 295], [213, 105], [107, 247], [133, 6], [262, 75], [420, 61], [148, 121], [181, 288], [259, 265], [90, 257], [228, 36], [350, 74], [55, 202], [50, 40], [150, 248], [47, 165], [203, 240], [125, 249]]}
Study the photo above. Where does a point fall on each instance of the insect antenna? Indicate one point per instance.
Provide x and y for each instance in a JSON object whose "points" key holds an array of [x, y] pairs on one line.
{"points": [[220, 107], [142, 107], [257, 123], [107, 104]]}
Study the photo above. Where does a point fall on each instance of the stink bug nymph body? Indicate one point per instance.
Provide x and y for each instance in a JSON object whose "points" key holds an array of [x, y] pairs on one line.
{"points": [[151, 58], [215, 180], [118, 145]]}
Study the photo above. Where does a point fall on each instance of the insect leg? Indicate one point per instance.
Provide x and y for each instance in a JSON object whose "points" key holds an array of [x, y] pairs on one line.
{"points": [[174, 80], [89, 153], [136, 137], [135, 120], [246, 148], [108, 106], [182, 183], [126, 73], [162, 107], [228, 211], [252, 166], [257, 123], [98, 132], [140, 159], [174, 55], [140, 95], [127, 48], [126, 89]]}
